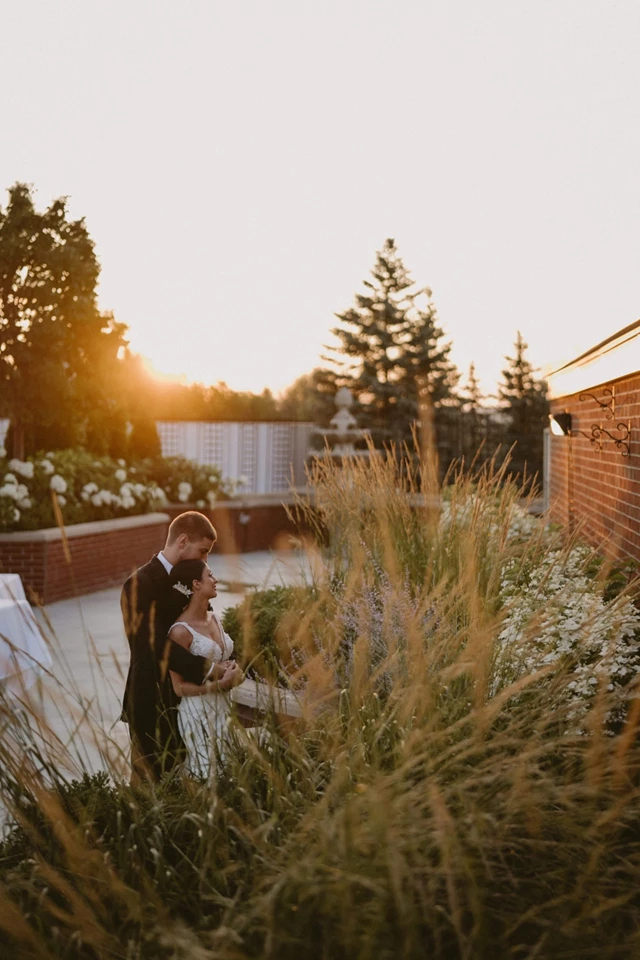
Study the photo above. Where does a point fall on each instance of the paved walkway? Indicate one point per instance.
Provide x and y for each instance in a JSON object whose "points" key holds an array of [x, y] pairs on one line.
{"points": [[80, 702]]}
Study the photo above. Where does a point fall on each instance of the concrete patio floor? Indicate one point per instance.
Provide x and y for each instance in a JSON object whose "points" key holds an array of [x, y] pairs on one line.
{"points": [[79, 701]]}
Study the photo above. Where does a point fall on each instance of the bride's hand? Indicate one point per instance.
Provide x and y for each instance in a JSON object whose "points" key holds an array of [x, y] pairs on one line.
{"points": [[232, 677]]}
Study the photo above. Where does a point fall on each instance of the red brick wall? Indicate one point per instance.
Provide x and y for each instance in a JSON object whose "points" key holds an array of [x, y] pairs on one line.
{"points": [[599, 490], [98, 560], [106, 558], [268, 526]]}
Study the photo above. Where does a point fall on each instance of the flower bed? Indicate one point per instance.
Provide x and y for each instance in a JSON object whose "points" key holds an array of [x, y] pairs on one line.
{"points": [[88, 488]]}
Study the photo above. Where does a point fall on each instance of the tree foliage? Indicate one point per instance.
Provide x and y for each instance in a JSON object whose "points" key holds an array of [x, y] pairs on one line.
{"points": [[310, 397], [391, 352], [523, 398], [58, 353]]}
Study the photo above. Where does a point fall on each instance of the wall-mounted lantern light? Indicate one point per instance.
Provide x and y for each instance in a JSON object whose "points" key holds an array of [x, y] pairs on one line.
{"points": [[560, 424]]}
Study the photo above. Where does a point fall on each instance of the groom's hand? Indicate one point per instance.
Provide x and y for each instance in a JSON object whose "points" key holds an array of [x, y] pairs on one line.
{"points": [[232, 676]]}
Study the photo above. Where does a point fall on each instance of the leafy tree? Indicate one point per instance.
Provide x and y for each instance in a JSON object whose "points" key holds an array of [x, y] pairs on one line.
{"points": [[58, 353], [311, 397], [391, 352], [523, 397]]}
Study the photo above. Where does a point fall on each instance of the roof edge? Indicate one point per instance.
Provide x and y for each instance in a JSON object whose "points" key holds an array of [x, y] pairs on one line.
{"points": [[615, 340]]}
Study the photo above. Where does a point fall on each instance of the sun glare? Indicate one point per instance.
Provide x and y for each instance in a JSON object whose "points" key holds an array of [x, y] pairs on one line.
{"points": [[158, 375]]}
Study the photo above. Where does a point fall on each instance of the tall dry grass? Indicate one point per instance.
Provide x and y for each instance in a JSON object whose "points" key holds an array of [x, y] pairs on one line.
{"points": [[427, 805]]}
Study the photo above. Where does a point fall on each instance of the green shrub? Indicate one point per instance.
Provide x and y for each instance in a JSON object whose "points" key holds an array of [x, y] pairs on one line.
{"points": [[263, 628]]}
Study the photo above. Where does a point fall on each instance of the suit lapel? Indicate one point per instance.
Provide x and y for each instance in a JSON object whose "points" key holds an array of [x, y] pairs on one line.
{"points": [[157, 570]]}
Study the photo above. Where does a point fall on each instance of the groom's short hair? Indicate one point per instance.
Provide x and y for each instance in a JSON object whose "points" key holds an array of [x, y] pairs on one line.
{"points": [[194, 524]]}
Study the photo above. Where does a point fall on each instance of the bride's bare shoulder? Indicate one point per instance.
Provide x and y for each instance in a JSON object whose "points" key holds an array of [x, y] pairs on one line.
{"points": [[180, 634]]}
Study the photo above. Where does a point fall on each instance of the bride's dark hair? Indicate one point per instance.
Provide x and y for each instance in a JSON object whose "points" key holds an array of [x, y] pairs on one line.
{"points": [[184, 572], [181, 579]]}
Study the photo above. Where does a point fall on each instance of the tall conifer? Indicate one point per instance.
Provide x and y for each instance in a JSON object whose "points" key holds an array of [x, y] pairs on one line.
{"points": [[391, 351]]}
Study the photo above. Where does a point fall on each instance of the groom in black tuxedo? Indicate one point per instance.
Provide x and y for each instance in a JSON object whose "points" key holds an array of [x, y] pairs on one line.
{"points": [[150, 705]]}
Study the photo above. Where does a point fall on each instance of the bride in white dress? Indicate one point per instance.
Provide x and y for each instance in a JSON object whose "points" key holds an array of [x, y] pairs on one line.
{"points": [[203, 715]]}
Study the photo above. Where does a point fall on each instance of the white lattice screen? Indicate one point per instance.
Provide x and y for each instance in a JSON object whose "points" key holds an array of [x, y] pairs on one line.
{"points": [[268, 455]]}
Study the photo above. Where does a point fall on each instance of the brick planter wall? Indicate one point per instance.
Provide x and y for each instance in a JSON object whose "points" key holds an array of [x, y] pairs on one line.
{"points": [[599, 491], [101, 555], [248, 523], [104, 553]]}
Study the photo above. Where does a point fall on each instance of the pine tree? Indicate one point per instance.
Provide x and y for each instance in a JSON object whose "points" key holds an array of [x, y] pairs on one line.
{"points": [[523, 398], [391, 353], [472, 413]]}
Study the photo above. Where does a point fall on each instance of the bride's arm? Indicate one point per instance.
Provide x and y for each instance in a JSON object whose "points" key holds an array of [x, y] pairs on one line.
{"points": [[231, 676]]}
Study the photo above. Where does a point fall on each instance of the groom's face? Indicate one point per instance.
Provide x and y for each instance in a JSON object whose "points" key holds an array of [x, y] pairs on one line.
{"points": [[196, 549]]}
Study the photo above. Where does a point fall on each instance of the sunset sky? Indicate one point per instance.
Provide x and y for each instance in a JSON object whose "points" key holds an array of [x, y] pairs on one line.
{"points": [[238, 165]]}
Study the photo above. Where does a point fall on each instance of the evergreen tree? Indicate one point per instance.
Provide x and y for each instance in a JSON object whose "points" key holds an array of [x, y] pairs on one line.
{"points": [[390, 352], [471, 396], [523, 397], [472, 414]]}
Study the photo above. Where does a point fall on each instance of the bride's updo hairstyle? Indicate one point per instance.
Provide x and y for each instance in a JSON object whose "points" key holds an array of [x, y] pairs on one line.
{"points": [[181, 578]]}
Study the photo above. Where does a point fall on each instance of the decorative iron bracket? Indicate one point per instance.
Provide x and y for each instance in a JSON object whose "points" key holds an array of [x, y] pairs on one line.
{"points": [[609, 405], [622, 443]]}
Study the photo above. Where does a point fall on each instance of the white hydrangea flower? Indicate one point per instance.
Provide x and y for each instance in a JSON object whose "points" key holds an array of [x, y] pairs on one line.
{"points": [[3, 453], [212, 479], [200, 504], [184, 491], [58, 483], [242, 480], [22, 467], [62, 500], [88, 490], [47, 467], [10, 478], [212, 498], [15, 491], [158, 495], [25, 503], [121, 462], [121, 475], [16, 515], [128, 502], [103, 498]]}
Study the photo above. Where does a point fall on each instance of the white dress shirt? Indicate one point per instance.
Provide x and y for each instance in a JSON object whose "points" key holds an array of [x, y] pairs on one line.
{"points": [[165, 563]]}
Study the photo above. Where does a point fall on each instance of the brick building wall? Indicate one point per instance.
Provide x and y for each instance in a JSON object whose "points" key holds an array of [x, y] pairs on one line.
{"points": [[100, 555], [596, 488]]}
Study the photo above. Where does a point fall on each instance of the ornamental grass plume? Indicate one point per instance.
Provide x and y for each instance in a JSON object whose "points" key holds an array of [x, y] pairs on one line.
{"points": [[438, 798]]}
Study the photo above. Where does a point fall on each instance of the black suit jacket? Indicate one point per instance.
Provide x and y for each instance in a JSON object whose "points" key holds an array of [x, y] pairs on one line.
{"points": [[150, 705]]}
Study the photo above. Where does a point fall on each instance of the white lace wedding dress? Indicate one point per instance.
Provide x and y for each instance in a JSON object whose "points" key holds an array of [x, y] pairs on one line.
{"points": [[205, 719]]}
